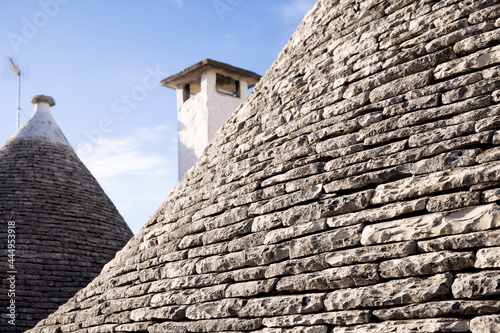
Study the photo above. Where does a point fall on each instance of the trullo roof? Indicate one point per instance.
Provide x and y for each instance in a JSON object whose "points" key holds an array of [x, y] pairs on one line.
{"points": [[356, 190], [58, 227]]}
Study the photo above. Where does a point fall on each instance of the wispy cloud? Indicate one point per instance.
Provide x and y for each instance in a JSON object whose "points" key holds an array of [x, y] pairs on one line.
{"points": [[136, 179], [295, 10]]}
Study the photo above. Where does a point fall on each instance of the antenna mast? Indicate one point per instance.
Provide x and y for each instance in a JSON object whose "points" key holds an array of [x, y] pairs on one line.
{"points": [[16, 70]]}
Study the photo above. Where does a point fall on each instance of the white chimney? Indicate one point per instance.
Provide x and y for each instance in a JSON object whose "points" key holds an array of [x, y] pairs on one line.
{"points": [[207, 94]]}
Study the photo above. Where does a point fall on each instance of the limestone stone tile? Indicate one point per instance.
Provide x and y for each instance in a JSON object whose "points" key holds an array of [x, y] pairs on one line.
{"points": [[443, 133], [250, 288], [487, 124], [418, 325], [385, 212], [435, 182], [425, 115], [464, 220], [488, 258], [490, 195], [426, 264], [227, 233], [164, 313], [465, 241], [361, 181], [394, 292], [297, 329], [435, 33], [266, 222], [365, 155], [282, 305], [174, 327], [133, 327], [286, 200], [332, 278], [480, 59], [326, 241], [329, 318], [227, 307], [478, 42], [453, 201], [438, 309], [485, 324], [476, 285], [281, 234], [297, 266], [189, 296], [475, 89], [457, 36], [401, 86], [482, 15]]}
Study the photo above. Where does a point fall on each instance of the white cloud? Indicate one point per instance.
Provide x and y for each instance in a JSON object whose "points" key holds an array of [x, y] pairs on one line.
{"points": [[295, 10], [135, 176]]}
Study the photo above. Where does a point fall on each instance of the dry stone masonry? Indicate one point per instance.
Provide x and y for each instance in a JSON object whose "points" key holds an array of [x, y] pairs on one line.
{"points": [[356, 190], [65, 227]]}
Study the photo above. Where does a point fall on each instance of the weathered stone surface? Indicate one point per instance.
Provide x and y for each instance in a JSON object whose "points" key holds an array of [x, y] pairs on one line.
{"points": [[286, 200], [222, 325], [370, 253], [487, 124], [377, 214], [476, 285], [219, 309], [189, 296], [426, 264], [331, 318], [488, 258], [361, 181], [294, 231], [326, 241], [422, 325], [282, 305], [485, 324], [422, 139], [439, 309], [438, 224], [480, 59], [478, 42], [297, 329], [401, 86], [453, 201], [395, 292], [435, 182], [333, 278], [489, 155], [250, 288], [297, 266], [469, 240], [490, 195]]}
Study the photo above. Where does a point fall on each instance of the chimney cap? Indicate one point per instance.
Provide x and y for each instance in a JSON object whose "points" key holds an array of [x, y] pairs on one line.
{"points": [[193, 73], [43, 99]]}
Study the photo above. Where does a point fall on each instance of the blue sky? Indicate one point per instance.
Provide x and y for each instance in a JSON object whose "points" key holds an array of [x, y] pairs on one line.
{"points": [[102, 62]]}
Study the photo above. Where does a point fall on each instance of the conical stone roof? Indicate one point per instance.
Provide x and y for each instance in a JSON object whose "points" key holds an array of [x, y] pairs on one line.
{"points": [[58, 227], [356, 190]]}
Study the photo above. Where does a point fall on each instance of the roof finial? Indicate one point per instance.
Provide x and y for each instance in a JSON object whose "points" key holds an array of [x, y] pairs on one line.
{"points": [[43, 99]]}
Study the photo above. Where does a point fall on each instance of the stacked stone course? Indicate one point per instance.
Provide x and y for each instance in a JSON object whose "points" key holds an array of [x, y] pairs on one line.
{"points": [[356, 190]]}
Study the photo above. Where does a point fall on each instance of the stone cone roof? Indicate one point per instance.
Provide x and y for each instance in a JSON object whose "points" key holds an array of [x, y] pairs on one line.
{"points": [[65, 226], [356, 190]]}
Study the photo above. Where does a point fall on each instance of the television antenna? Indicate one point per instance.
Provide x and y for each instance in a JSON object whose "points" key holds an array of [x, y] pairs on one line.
{"points": [[17, 70]]}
